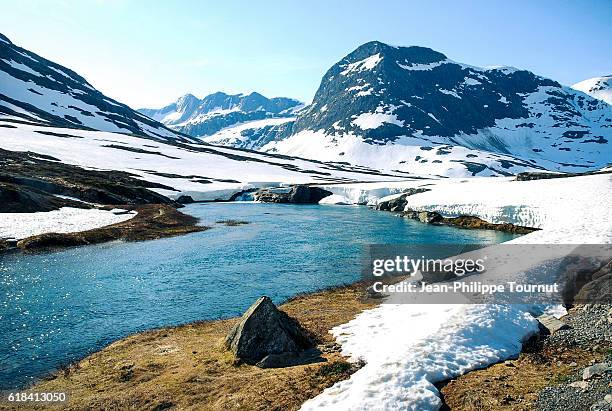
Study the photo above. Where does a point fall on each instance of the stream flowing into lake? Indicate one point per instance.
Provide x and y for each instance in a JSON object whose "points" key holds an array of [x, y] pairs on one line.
{"points": [[57, 307]]}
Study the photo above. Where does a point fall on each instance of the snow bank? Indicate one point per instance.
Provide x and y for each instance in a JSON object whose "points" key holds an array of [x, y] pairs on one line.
{"points": [[205, 172], [65, 220], [572, 210], [409, 347], [335, 199]]}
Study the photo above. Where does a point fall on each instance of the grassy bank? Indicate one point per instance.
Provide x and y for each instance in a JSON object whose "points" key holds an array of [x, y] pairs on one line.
{"points": [[186, 366]]}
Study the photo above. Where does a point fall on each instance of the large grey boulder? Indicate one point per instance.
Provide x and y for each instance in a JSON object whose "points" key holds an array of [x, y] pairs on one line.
{"points": [[265, 331]]}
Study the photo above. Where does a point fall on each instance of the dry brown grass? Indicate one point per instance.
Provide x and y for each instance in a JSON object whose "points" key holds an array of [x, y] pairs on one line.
{"points": [[515, 384], [152, 221], [185, 367]]}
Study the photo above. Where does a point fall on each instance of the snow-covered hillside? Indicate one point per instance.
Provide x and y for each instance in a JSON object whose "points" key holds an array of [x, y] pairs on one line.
{"points": [[388, 105], [204, 117], [205, 172], [50, 110], [598, 87], [35, 89], [251, 134]]}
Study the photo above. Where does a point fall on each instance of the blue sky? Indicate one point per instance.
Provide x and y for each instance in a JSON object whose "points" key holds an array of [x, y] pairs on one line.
{"points": [[147, 53]]}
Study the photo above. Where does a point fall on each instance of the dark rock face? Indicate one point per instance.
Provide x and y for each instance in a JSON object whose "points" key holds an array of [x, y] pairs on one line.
{"points": [[597, 286], [546, 176], [265, 331], [410, 78], [185, 199], [219, 110], [401, 74], [80, 106], [300, 194], [14, 198], [29, 183]]}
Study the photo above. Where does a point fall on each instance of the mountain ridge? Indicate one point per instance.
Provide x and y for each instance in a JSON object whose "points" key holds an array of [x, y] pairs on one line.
{"points": [[216, 111], [40, 90]]}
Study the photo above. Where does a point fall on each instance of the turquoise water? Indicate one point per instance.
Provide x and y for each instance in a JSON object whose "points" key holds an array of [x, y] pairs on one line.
{"points": [[57, 307]]}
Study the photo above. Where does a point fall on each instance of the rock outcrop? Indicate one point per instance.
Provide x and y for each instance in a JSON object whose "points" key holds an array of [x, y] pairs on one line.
{"points": [[597, 286], [398, 203], [299, 194], [267, 336], [31, 182]]}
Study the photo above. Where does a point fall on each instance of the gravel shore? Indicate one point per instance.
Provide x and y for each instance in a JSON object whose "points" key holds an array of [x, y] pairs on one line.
{"points": [[590, 328]]}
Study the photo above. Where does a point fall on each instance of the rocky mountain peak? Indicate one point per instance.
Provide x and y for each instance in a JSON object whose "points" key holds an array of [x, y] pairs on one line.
{"points": [[382, 95], [216, 111], [187, 102]]}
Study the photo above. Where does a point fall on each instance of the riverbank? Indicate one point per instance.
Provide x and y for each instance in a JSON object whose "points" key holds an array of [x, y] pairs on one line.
{"points": [[186, 366], [407, 349], [151, 221], [404, 364]]}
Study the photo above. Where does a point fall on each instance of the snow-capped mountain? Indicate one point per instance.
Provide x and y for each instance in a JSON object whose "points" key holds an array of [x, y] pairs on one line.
{"points": [[205, 117], [598, 87], [33, 88], [52, 113], [413, 109]]}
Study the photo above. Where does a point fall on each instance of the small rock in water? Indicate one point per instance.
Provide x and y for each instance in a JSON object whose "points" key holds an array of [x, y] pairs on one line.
{"points": [[429, 217], [185, 199]]}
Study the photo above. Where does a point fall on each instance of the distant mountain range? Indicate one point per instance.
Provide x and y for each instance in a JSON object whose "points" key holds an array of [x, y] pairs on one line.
{"points": [[205, 117], [402, 110]]}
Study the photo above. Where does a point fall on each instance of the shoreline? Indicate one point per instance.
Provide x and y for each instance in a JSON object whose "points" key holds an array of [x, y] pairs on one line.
{"points": [[151, 222], [140, 370], [554, 228], [154, 221]]}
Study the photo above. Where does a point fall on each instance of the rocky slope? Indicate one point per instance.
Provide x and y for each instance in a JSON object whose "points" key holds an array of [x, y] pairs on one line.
{"points": [[597, 87], [392, 106], [34, 89], [31, 182], [207, 116]]}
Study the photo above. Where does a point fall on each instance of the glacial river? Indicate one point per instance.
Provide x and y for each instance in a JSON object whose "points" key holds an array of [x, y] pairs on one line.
{"points": [[56, 307]]}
